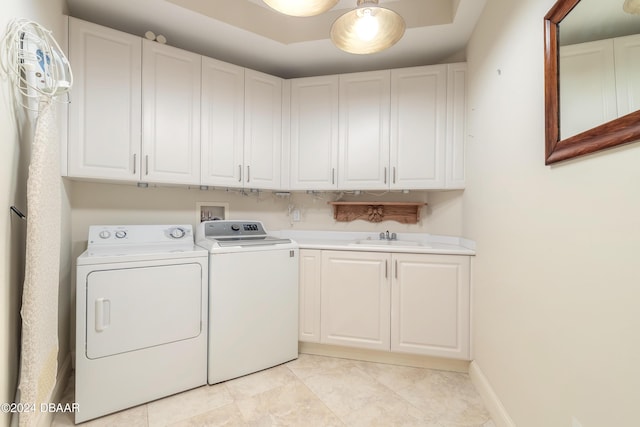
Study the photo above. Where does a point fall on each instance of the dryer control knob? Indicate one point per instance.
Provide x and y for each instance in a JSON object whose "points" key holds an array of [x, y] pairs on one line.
{"points": [[104, 234], [177, 233], [235, 227], [121, 234]]}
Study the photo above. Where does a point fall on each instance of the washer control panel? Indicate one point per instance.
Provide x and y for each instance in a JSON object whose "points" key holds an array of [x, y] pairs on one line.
{"points": [[230, 228], [109, 235]]}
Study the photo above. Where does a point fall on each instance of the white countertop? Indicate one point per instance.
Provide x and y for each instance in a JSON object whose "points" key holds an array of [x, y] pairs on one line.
{"points": [[370, 242]]}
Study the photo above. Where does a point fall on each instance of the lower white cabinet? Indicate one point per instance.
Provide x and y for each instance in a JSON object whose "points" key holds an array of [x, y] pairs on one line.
{"points": [[355, 299], [309, 294], [400, 302], [430, 305]]}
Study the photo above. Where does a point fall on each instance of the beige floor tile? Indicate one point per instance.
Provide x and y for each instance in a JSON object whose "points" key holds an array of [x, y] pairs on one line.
{"points": [[308, 365], [259, 382], [134, 417], [315, 391], [386, 409], [345, 389], [226, 415], [188, 404], [448, 398], [291, 404]]}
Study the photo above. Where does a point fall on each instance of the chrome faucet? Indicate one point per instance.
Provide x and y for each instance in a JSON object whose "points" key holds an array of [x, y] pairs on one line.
{"points": [[387, 236]]}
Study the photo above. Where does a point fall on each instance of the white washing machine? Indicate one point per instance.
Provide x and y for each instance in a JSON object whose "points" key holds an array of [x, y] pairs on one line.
{"points": [[141, 317], [253, 298]]}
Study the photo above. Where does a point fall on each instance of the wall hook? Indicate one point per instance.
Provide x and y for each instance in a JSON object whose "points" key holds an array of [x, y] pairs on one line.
{"points": [[17, 212]]}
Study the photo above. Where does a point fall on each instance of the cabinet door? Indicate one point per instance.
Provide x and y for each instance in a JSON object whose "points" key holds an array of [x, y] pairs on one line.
{"points": [[418, 127], [588, 89], [430, 305], [171, 97], [309, 294], [455, 176], [105, 112], [314, 133], [222, 123], [627, 66], [262, 130], [355, 299], [364, 131]]}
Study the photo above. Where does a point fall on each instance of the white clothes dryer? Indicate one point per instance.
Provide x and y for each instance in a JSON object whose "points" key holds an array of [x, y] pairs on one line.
{"points": [[141, 317]]}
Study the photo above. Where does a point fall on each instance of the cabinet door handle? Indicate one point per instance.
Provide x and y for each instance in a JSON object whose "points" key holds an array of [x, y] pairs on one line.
{"points": [[333, 175], [385, 175], [135, 157], [396, 269], [386, 269], [146, 164], [248, 173], [394, 174], [239, 173]]}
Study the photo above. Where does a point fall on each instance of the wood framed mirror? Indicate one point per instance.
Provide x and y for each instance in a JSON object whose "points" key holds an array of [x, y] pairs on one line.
{"points": [[620, 130]]}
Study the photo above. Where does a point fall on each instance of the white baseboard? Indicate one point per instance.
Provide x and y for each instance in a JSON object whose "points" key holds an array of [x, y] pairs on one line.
{"points": [[499, 414], [46, 418], [402, 359]]}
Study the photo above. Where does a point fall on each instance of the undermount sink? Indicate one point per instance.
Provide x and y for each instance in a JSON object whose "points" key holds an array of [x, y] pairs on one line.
{"points": [[371, 242]]}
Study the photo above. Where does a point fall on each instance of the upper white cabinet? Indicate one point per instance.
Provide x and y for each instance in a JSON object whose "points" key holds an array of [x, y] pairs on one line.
{"points": [[241, 127], [222, 137], [314, 133], [627, 66], [364, 130], [171, 114], [400, 129], [455, 176], [599, 82], [117, 77], [418, 127], [105, 110], [262, 130], [144, 111], [588, 89]]}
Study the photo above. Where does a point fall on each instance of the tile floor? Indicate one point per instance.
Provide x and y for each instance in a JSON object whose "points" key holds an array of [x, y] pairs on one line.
{"points": [[315, 391]]}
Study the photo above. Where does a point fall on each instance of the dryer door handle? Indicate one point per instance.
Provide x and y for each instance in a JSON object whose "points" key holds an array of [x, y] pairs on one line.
{"points": [[103, 314]]}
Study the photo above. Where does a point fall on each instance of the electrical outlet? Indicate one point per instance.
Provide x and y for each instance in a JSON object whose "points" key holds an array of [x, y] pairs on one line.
{"points": [[296, 215], [575, 422]]}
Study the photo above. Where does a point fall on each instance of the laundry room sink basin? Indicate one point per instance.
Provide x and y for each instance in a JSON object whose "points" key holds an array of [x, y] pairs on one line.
{"points": [[396, 243]]}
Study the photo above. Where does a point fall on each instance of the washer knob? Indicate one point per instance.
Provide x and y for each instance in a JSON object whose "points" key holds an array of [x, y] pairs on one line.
{"points": [[104, 234], [177, 233], [235, 227], [121, 234]]}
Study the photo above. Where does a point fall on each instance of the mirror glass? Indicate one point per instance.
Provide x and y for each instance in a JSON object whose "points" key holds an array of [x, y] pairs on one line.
{"points": [[598, 62]]}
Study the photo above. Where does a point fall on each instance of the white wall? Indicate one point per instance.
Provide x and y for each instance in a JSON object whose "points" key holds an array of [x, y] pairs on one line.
{"points": [[16, 134], [99, 203], [557, 285]]}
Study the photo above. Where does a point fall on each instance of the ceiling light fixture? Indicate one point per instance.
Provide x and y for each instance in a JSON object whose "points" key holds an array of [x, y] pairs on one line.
{"points": [[632, 7], [301, 8], [367, 29]]}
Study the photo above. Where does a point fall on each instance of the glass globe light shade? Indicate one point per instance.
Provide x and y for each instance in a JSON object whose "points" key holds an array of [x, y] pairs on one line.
{"points": [[367, 29], [301, 7]]}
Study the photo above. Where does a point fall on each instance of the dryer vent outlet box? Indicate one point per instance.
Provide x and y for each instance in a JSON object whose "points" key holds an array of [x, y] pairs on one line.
{"points": [[211, 211]]}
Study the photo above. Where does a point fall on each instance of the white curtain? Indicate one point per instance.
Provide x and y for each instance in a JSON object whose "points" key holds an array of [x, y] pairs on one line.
{"points": [[39, 355]]}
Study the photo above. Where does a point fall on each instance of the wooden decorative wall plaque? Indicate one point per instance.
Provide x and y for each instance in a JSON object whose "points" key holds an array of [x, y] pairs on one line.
{"points": [[402, 212]]}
